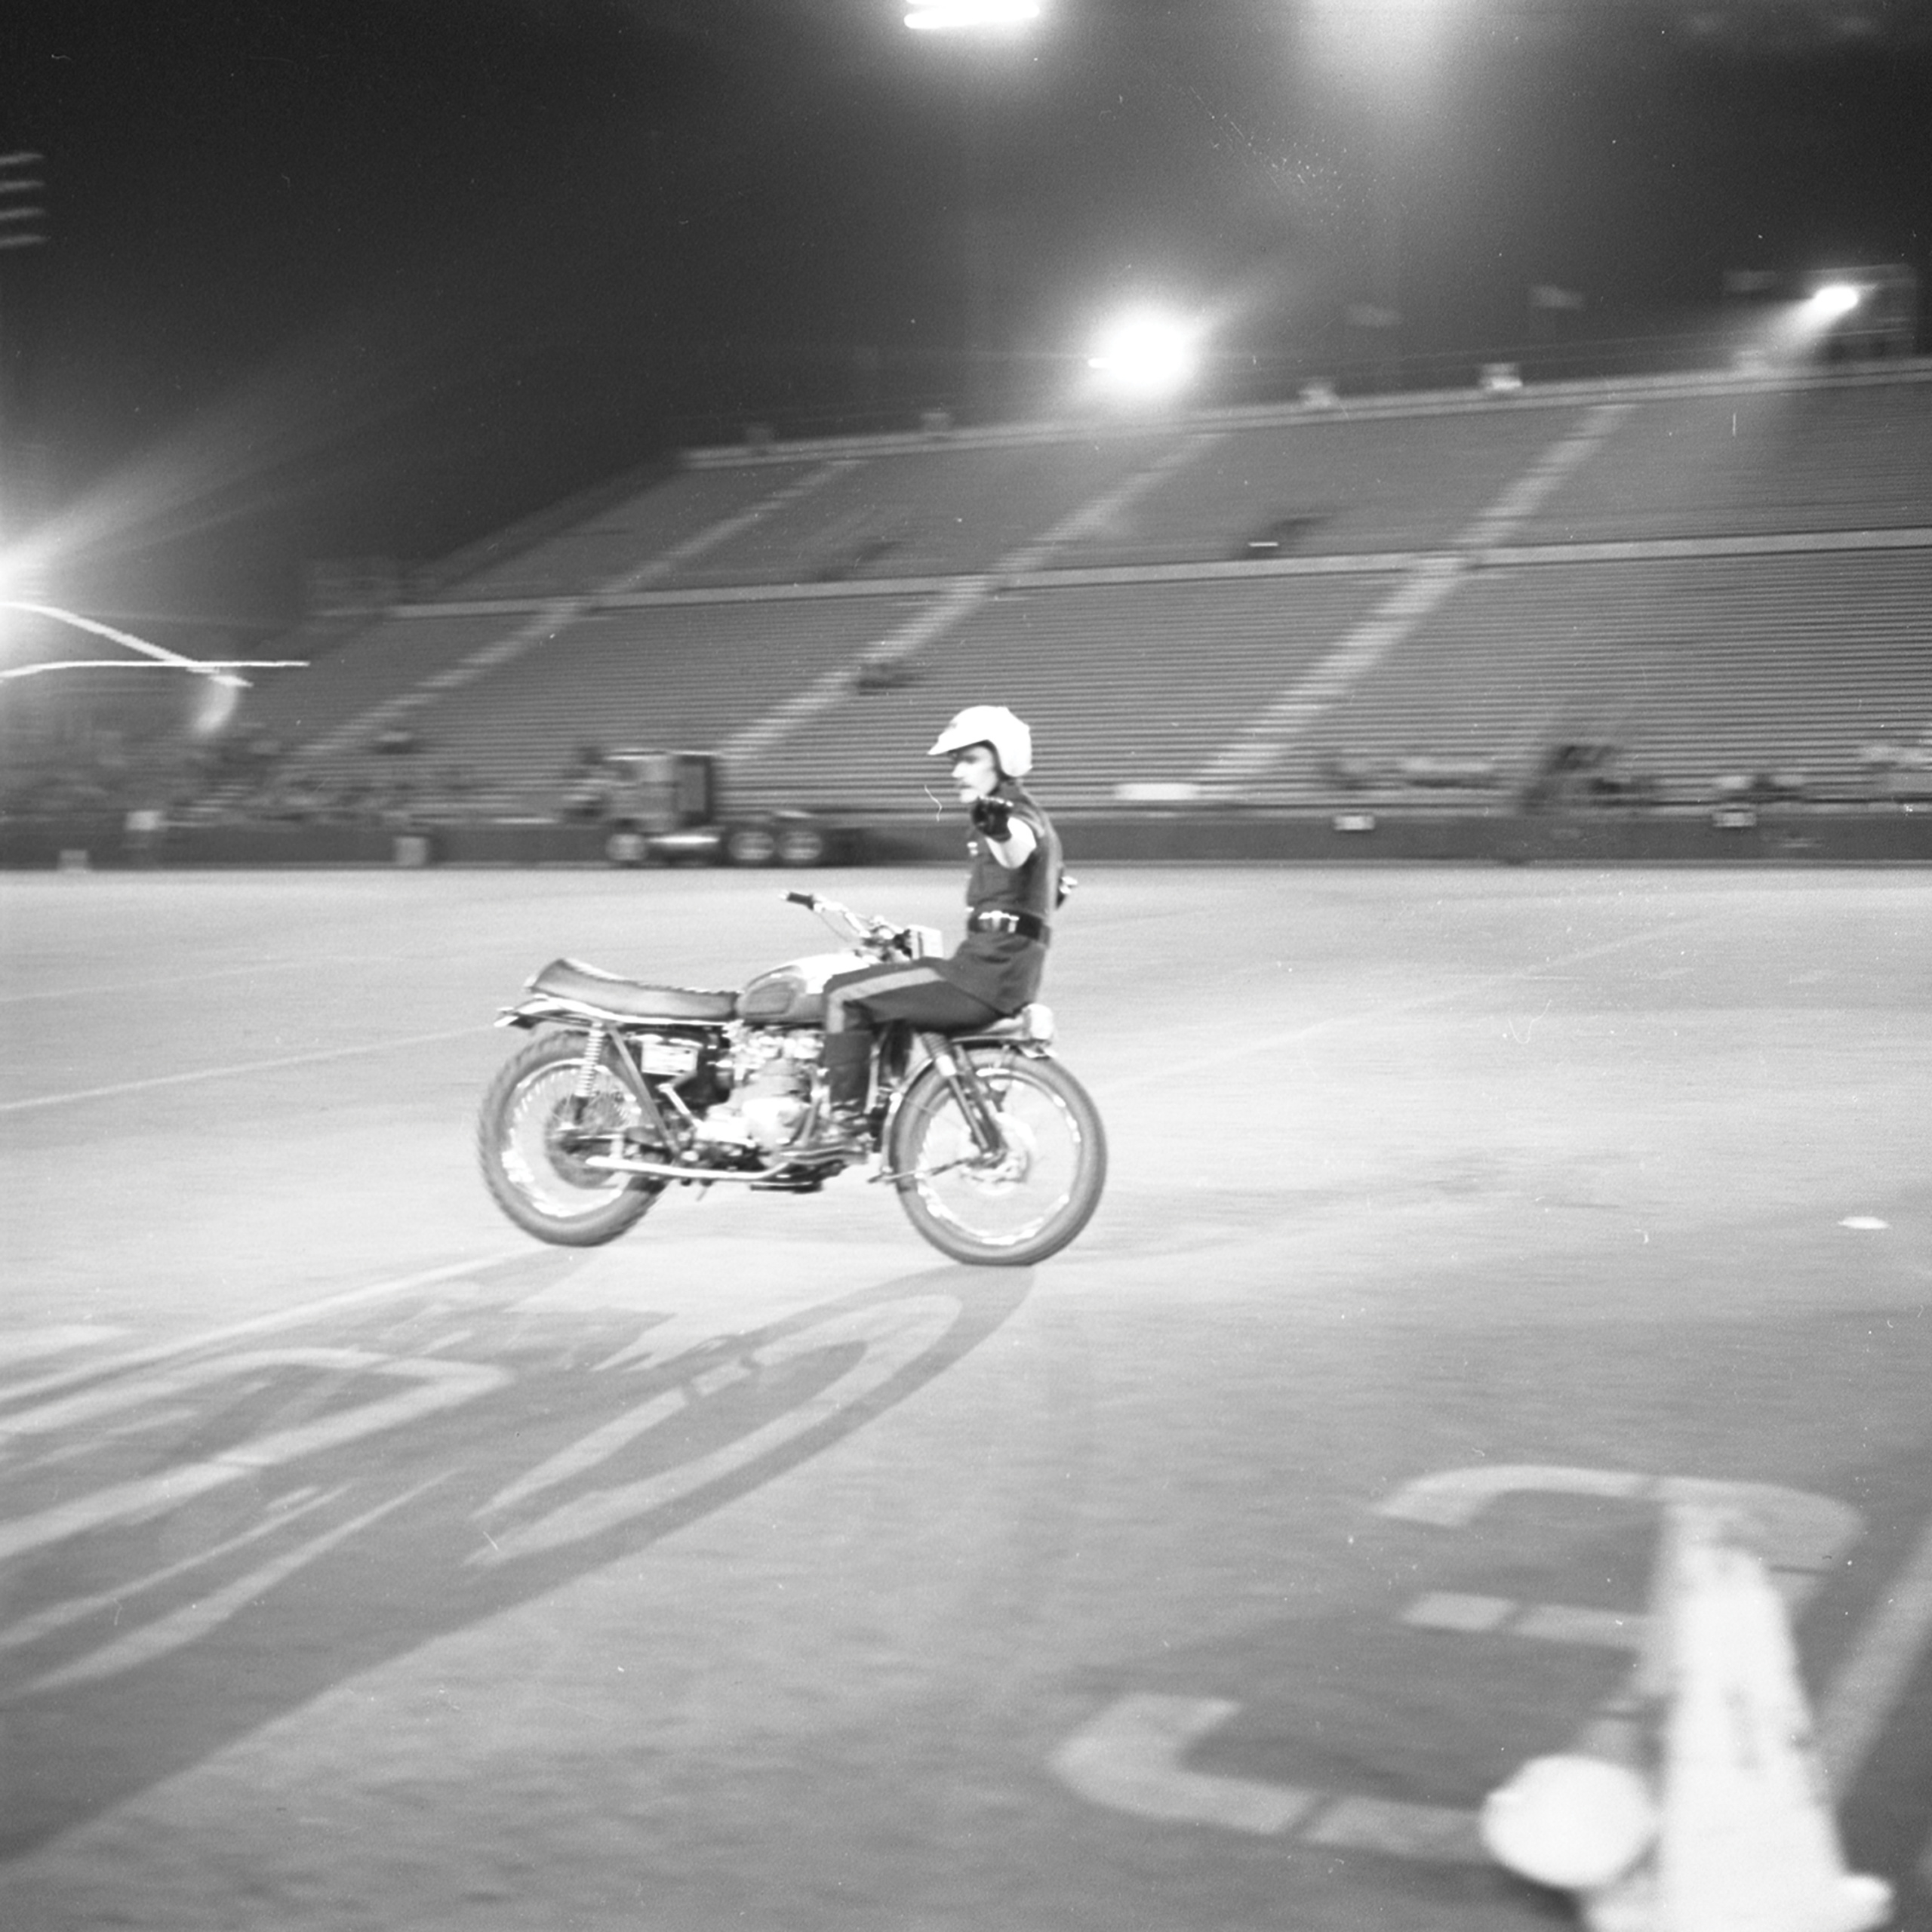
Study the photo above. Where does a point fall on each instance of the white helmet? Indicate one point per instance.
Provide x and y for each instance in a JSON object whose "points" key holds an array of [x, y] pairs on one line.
{"points": [[990, 724]]}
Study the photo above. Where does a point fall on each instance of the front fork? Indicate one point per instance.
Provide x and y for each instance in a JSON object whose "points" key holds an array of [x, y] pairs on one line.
{"points": [[969, 1093]]}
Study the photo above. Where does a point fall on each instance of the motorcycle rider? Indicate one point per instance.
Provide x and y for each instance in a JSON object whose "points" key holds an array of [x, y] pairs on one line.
{"points": [[1011, 893]]}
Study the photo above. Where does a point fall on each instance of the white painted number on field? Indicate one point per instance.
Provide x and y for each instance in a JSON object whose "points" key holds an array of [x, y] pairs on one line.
{"points": [[1131, 1757]]}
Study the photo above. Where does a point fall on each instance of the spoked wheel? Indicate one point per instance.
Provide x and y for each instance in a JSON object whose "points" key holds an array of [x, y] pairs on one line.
{"points": [[1022, 1204], [533, 1138]]}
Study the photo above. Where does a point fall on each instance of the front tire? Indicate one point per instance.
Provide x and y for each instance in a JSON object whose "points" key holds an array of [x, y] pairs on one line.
{"points": [[1017, 1210], [531, 1139]]}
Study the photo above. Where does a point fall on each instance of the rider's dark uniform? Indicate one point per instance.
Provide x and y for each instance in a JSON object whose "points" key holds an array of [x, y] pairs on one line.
{"points": [[996, 970]]}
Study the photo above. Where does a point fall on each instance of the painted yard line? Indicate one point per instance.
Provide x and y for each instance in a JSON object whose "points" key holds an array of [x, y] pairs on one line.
{"points": [[30, 1344], [96, 1367], [434, 1386], [213, 973], [235, 1071], [180, 1628], [1867, 1684], [1422, 1002], [276, 1514]]}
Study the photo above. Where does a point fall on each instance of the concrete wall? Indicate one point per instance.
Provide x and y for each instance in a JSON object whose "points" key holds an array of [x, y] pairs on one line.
{"points": [[1900, 835]]}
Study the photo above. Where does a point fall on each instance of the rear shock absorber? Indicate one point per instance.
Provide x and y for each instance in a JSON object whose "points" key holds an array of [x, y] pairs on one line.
{"points": [[586, 1068]]}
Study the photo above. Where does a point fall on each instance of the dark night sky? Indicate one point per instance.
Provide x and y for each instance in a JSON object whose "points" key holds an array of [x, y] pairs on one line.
{"points": [[338, 276]]}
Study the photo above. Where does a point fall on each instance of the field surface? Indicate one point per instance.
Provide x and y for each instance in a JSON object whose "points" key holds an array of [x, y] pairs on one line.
{"points": [[363, 1564]]}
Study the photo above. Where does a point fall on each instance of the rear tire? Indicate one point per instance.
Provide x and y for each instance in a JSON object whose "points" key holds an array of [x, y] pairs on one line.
{"points": [[530, 1150], [1011, 1213]]}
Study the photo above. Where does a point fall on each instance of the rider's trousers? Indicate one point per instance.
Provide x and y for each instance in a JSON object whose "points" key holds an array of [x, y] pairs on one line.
{"points": [[856, 1004]]}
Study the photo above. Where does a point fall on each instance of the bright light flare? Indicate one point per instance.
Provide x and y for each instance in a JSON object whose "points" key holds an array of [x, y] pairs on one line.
{"points": [[1146, 355], [962, 16], [1835, 299], [225, 671]]}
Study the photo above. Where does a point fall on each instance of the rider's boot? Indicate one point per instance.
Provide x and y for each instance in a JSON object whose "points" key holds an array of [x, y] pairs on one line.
{"points": [[840, 1134]]}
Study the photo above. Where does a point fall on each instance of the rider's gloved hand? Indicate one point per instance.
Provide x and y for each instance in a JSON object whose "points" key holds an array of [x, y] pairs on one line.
{"points": [[993, 816]]}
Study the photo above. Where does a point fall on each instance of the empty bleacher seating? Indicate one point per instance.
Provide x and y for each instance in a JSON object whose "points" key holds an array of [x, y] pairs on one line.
{"points": [[1124, 683], [1853, 455], [1328, 483], [1692, 667], [1146, 594]]}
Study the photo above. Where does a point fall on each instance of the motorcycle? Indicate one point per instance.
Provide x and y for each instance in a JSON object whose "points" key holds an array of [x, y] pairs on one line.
{"points": [[996, 1152]]}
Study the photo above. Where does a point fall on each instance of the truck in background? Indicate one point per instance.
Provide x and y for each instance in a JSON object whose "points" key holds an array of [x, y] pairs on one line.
{"points": [[667, 808]]}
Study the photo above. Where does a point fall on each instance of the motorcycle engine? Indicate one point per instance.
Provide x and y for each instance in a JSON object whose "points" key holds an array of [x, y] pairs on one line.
{"points": [[771, 1071]]}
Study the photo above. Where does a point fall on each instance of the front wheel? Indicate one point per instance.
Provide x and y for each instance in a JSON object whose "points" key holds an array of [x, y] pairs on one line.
{"points": [[1021, 1205], [534, 1134]]}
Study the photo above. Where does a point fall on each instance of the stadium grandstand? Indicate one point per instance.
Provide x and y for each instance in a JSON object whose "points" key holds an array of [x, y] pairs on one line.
{"points": [[1651, 594]]}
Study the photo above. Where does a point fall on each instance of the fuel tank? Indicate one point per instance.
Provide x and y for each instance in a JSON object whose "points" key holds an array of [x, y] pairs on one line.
{"points": [[793, 995]]}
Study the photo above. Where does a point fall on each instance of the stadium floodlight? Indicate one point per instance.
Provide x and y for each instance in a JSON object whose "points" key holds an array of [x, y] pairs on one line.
{"points": [[963, 16], [1145, 355], [1835, 299]]}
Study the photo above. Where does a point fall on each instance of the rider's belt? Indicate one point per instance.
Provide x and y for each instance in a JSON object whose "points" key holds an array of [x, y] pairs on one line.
{"points": [[1024, 924]]}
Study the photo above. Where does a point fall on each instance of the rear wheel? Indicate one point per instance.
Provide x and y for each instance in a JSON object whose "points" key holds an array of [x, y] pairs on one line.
{"points": [[532, 1136], [1023, 1204]]}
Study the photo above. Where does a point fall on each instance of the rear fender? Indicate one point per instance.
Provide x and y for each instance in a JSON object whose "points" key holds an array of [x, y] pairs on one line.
{"points": [[545, 1009]]}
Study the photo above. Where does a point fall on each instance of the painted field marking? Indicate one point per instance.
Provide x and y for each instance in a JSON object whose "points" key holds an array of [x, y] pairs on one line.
{"points": [[193, 1621], [239, 1068], [1803, 1532], [1550, 1623], [1129, 1757], [1434, 1834], [1420, 1003], [437, 1385], [296, 1317], [278, 1514], [31, 1344], [104, 990], [893, 1336]]}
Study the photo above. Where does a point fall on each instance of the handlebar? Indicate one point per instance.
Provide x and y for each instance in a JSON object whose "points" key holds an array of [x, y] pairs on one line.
{"points": [[881, 932]]}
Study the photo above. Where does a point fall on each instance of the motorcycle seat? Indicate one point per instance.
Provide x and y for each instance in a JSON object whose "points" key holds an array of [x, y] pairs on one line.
{"points": [[1031, 1023], [630, 999]]}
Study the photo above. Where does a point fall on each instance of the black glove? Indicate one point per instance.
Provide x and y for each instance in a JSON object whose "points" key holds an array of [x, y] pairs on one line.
{"points": [[993, 816]]}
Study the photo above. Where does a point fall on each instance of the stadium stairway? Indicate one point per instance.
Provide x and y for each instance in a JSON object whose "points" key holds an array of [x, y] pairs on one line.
{"points": [[1722, 573], [472, 616], [1697, 668]]}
